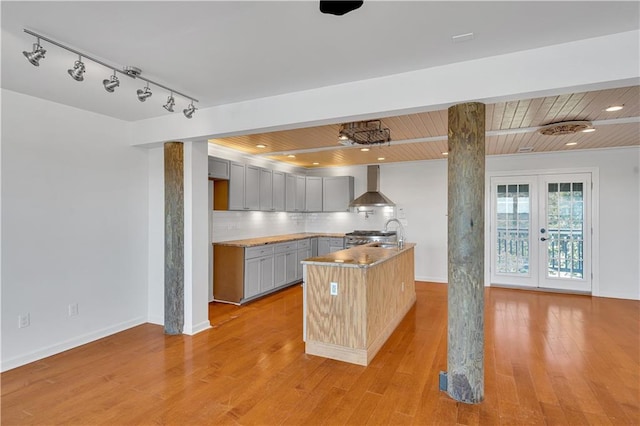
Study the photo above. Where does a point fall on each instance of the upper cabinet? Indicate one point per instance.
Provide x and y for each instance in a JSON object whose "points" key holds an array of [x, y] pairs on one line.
{"points": [[313, 194], [218, 168], [266, 190], [244, 187], [337, 193], [278, 191], [248, 187]]}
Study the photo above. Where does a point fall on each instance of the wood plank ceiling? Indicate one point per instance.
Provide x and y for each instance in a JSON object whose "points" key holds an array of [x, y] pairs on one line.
{"points": [[511, 127]]}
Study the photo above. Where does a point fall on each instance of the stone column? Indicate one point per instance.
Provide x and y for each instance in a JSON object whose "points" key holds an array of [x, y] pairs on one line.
{"points": [[173, 237], [466, 165]]}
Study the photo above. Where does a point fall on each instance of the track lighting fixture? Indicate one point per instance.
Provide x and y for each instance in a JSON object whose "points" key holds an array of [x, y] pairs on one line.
{"points": [[144, 94], [77, 73], [170, 103], [37, 54], [111, 84], [188, 112], [78, 70]]}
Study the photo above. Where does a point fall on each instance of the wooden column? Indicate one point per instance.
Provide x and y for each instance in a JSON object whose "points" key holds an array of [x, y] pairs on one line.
{"points": [[465, 347], [173, 237]]}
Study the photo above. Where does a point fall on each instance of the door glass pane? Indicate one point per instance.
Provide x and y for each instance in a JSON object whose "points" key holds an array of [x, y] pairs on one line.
{"points": [[513, 227], [565, 227]]}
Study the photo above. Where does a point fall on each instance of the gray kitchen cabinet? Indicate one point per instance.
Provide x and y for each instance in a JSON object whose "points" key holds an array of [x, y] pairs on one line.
{"points": [[336, 244], [304, 252], [279, 269], [300, 193], [236, 186], [290, 192], [218, 168], [278, 191], [266, 190], [329, 245], [323, 246], [313, 194], [258, 276], [337, 193], [291, 270], [314, 246], [244, 187], [294, 193]]}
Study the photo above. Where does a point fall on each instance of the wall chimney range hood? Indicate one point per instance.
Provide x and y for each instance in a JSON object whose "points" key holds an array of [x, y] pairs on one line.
{"points": [[373, 197]]}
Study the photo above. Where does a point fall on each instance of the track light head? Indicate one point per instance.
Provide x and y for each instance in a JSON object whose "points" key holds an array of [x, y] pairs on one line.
{"points": [[144, 94], [170, 103], [35, 56], [188, 112], [111, 84], [77, 73]]}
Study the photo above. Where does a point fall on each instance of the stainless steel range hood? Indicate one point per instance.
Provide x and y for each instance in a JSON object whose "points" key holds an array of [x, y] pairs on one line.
{"points": [[373, 197]]}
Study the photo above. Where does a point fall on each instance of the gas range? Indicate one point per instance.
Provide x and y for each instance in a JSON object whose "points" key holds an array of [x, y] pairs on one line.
{"points": [[360, 237]]}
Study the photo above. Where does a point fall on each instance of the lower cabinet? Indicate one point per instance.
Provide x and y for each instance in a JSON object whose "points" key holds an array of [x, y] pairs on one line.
{"points": [[329, 245], [244, 273], [258, 276]]}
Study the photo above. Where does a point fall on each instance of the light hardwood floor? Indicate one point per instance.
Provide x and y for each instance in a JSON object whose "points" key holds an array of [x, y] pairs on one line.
{"points": [[549, 359]]}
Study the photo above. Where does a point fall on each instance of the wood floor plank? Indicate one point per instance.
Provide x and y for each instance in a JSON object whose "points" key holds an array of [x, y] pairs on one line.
{"points": [[550, 359]]}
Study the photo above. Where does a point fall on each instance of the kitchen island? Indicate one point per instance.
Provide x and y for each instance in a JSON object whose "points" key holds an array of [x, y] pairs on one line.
{"points": [[355, 298]]}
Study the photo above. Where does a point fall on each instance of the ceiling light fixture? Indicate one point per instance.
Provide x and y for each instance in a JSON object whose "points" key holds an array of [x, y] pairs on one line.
{"points": [[77, 73], [364, 133], [188, 111], [571, 143], [145, 93], [291, 156], [589, 130], [111, 84], [364, 149], [445, 153], [381, 158], [315, 164], [260, 145], [565, 128], [170, 103], [37, 53], [613, 108]]}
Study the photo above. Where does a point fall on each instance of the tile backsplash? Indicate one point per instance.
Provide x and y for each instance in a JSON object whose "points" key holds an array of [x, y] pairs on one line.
{"points": [[235, 225]]}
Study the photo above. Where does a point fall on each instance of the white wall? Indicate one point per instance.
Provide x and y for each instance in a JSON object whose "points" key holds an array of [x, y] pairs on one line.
{"points": [[74, 227]]}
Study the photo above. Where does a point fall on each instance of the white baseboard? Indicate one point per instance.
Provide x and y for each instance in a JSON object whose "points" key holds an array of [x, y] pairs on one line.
{"points": [[8, 364], [156, 320], [432, 279], [204, 325]]}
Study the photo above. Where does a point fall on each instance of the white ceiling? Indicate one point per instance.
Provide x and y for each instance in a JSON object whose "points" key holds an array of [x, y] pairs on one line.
{"points": [[225, 52]]}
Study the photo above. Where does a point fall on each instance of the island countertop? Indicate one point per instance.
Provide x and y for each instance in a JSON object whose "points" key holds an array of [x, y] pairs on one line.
{"points": [[363, 256], [258, 241]]}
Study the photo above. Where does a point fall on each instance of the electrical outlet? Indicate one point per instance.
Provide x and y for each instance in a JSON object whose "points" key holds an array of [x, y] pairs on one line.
{"points": [[73, 309], [334, 289], [24, 320]]}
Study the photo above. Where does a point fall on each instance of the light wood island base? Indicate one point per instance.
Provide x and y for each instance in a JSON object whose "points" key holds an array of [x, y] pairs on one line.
{"points": [[375, 290]]}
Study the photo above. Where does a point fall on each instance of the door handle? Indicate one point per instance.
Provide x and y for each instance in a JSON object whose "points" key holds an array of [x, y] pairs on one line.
{"points": [[544, 239]]}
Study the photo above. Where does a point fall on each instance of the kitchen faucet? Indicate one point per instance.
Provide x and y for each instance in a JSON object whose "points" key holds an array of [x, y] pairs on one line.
{"points": [[400, 227]]}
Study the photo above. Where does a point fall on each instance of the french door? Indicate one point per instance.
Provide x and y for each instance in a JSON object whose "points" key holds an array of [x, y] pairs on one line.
{"points": [[541, 231]]}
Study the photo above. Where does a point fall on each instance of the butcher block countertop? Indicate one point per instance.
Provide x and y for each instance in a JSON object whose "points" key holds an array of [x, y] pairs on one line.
{"points": [[251, 242], [358, 257]]}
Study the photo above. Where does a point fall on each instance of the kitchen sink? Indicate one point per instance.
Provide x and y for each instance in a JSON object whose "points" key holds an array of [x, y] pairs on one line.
{"points": [[384, 245]]}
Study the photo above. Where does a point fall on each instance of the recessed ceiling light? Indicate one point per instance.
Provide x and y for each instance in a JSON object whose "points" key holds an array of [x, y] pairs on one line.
{"points": [[315, 164], [445, 153], [364, 149], [291, 156], [260, 145], [614, 108], [589, 130], [571, 143], [380, 158]]}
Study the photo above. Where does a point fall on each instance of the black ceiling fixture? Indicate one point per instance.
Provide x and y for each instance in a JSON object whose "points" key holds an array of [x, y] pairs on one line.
{"points": [[335, 7]]}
